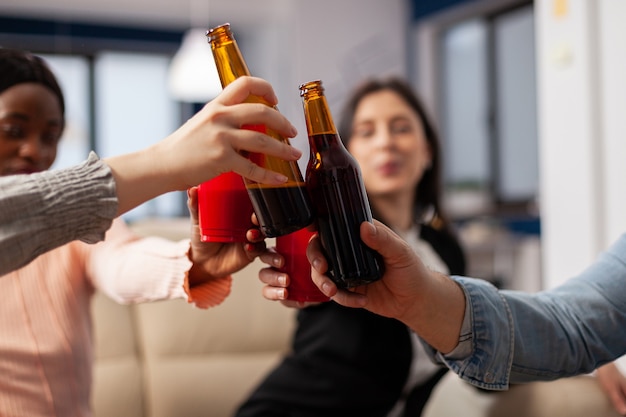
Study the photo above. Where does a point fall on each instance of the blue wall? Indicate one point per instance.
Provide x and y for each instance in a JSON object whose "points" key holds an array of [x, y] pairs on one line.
{"points": [[423, 8], [78, 35]]}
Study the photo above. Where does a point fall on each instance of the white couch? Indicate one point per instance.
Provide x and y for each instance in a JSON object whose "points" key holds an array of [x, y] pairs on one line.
{"points": [[169, 359], [579, 396]]}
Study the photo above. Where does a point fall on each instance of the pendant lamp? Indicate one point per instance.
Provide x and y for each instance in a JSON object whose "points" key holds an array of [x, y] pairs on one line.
{"points": [[192, 75]]}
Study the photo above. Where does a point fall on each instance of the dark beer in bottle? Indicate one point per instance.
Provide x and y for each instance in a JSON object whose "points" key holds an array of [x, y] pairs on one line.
{"points": [[280, 209], [338, 196]]}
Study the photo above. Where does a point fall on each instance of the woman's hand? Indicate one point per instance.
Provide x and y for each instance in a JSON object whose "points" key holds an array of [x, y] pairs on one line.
{"points": [[216, 259], [277, 283], [209, 144]]}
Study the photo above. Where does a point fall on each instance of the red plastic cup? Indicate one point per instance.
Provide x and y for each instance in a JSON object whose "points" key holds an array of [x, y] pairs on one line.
{"points": [[224, 209], [293, 248]]}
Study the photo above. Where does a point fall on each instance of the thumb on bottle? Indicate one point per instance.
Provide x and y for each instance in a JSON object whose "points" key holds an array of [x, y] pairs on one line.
{"points": [[374, 234], [382, 239]]}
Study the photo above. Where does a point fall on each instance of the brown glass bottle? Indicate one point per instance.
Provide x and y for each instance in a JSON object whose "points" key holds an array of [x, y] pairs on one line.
{"points": [[280, 209], [338, 195]]}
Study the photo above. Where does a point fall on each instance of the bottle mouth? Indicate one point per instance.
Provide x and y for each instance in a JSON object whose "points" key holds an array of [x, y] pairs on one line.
{"points": [[311, 86], [215, 32]]}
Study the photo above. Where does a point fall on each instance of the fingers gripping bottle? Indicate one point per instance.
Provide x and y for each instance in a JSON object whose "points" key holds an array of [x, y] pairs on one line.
{"points": [[338, 195], [280, 209]]}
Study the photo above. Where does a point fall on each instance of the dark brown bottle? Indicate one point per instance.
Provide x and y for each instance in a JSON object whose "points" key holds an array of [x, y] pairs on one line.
{"points": [[281, 209], [338, 195]]}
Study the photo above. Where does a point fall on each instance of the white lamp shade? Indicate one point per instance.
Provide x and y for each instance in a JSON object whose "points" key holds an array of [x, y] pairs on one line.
{"points": [[192, 74]]}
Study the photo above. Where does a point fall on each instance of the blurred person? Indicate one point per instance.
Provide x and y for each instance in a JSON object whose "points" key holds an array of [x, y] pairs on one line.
{"points": [[352, 362], [46, 346], [373, 110]]}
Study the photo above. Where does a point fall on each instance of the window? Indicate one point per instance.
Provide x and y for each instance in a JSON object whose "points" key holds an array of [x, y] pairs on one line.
{"points": [[114, 83], [476, 69], [73, 75], [488, 90], [133, 110]]}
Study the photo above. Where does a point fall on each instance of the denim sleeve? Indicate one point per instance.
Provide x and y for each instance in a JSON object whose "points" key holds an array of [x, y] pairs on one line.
{"points": [[516, 337], [573, 328], [485, 352]]}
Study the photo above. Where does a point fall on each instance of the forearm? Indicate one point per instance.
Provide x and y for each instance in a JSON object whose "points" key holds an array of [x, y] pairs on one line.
{"points": [[139, 177], [484, 348], [144, 270], [574, 328], [516, 337], [132, 269], [438, 314], [42, 211], [153, 269]]}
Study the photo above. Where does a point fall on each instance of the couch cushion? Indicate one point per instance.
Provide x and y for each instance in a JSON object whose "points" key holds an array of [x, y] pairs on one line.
{"points": [[204, 362], [579, 396], [117, 374], [169, 359]]}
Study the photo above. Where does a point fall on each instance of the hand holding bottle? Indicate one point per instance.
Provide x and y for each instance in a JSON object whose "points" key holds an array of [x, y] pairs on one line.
{"points": [[280, 208], [428, 302], [338, 196], [216, 131], [207, 145]]}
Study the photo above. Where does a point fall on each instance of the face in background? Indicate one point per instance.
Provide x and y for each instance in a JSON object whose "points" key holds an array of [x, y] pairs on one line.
{"points": [[31, 124], [389, 143]]}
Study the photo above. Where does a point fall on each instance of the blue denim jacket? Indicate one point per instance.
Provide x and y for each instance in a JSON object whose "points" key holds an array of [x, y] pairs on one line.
{"points": [[515, 337]]}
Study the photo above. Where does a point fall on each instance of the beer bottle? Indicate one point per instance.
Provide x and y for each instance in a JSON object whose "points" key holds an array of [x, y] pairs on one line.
{"points": [[280, 209], [338, 195]]}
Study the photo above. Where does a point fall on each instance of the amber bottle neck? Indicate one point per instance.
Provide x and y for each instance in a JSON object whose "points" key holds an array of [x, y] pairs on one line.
{"points": [[228, 59], [317, 114]]}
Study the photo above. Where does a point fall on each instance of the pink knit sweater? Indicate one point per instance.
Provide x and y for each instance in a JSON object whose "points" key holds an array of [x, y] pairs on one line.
{"points": [[45, 325]]}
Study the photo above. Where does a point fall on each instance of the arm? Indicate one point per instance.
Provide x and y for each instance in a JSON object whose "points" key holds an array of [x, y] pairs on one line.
{"points": [[207, 145], [42, 211], [582, 321], [131, 269], [516, 337], [512, 336]]}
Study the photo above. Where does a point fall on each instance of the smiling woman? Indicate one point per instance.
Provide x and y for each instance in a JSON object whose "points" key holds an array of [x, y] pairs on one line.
{"points": [[349, 361], [48, 296], [32, 116], [30, 126]]}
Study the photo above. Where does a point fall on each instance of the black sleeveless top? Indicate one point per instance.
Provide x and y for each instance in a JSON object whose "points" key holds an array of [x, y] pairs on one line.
{"points": [[347, 361]]}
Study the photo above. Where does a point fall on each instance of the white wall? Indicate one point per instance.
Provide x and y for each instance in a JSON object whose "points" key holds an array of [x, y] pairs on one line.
{"points": [[339, 42], [581, 102], [581, 73], [612, 15]]}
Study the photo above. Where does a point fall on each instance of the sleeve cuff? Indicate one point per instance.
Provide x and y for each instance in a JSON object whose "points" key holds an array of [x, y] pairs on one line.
{"points": [[490, 338], [464, 348], [208, 294]]}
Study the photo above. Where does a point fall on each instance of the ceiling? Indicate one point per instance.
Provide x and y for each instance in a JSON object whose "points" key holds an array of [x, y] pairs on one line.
{"points": [[175, 14]]}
